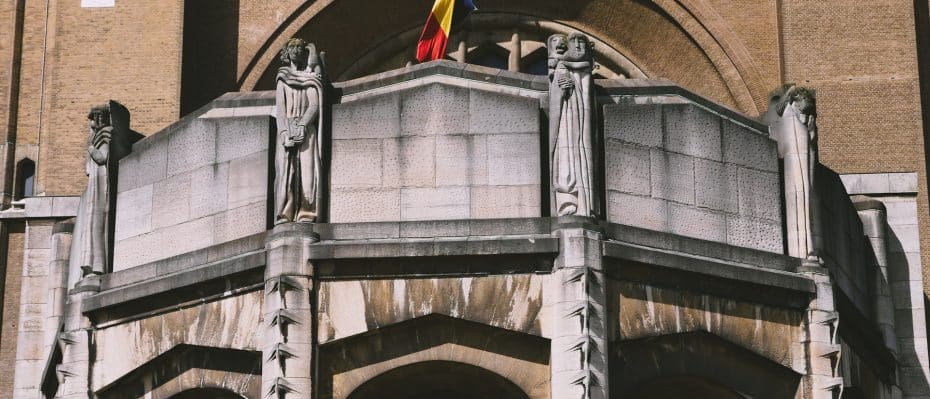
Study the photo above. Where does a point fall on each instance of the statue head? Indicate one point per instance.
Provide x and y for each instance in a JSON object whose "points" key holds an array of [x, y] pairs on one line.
{"points": [[299, 53], [803, 99], [557, 44], [99, 117], [580, 47]]}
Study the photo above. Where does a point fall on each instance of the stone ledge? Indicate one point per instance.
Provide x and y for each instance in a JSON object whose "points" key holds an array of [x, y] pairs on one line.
{"points": [[880, 183], [42, 208], [433, 228], [174, 281], [709, 266], [701, 248], [431, 247], [662, 87], [182, 262], [446, 68]]}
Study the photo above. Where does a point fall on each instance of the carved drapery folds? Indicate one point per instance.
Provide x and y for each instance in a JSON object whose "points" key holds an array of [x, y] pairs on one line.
{"points": [[792, 118], [107, 142], [571, 124], [299, 100]]}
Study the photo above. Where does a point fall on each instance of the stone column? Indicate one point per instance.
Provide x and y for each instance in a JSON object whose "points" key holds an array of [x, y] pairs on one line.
{"points": [[872, 214], [75, 372], [577, 295], [287, 355], [58, 277], [822, 342]]}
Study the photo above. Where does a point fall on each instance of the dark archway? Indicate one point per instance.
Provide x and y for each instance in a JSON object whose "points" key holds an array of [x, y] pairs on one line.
{"points": [[206, 393], [438, 379], [683, 387], [659, 367]]}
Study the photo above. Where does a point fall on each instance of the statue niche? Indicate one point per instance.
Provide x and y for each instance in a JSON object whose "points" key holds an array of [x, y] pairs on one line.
{"points": [[571, 124], [299, 102], [792, 118]]}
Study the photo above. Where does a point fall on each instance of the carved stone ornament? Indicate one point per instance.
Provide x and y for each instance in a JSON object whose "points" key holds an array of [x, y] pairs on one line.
{"points": [[793, 123], [299, 102], [571, 124]]}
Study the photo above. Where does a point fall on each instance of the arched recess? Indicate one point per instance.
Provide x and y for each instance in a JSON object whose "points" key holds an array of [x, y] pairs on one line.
{"points": [[25, 179], [185, 370], [439, 379], [348, 364], [685, 41], [207, 393], [644, 368]]}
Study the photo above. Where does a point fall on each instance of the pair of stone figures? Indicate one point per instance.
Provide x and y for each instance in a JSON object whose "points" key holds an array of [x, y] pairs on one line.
{"points": [[299, 102], [792, 118]]}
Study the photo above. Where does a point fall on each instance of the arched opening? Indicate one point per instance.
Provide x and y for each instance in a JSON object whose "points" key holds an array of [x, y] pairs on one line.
{"points": [[206, 393], [697, 365], [25, 179], [683, 387], [438, 379]]}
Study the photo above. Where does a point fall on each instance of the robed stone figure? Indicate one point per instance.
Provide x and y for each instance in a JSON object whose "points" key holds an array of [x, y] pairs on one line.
{"points": [[299, 101], [89, 247], [571, 124], [792, 118]]}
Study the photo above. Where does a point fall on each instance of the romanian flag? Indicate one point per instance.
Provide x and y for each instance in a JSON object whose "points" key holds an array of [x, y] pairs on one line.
{"points": [[435, 36]]}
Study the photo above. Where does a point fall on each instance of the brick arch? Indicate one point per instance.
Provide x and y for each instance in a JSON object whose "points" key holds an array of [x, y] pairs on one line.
{"points": [[682, 40], [520, 359]]}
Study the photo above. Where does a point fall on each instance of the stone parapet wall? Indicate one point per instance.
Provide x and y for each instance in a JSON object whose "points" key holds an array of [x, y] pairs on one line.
{"points": [[200, 182], [676, 166]]}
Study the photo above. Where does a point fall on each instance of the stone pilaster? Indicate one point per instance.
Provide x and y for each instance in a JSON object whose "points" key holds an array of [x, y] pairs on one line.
{"points": [[822, 340], [58, 277], [77, 344], [287, 354], [579, 356]]}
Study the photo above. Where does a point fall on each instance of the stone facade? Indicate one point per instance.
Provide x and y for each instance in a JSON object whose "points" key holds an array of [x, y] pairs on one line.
{"points": [[437, 215]]}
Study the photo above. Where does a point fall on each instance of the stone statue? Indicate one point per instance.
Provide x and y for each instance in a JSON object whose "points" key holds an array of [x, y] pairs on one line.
{"points": [[93, 211], [299, 102], [792, 118], [571, 124]]}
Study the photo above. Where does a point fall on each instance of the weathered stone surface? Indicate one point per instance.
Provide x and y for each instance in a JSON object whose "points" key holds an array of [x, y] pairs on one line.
{"points": [[693, 131], [358, 164], [513, 159], [672, 176], [248, 180], [496, 202], [637, 124], [371, 118], [628, 168], [238, 137], [147, 163], [409, 162], [697, 222], [433, 110], [759, 194], [745, 147], [171, 200], [716, 185], [208, 192], [644, 212], [434, 203], [134, 212], [461, 160], [191, 146], [375, 205], [754, 233], [496, 113]]}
